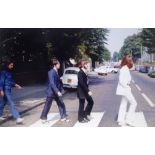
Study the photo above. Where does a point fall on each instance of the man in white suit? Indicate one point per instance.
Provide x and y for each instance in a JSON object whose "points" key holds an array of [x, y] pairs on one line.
{"points": [[124, 89]]}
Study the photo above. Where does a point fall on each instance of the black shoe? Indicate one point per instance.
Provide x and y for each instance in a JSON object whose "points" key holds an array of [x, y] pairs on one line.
{"points": [[87, 119], [83, 121]]}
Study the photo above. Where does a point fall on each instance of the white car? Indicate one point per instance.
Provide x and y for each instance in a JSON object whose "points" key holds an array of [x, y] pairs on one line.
{"points": [[102, 70], [111, 69], [69, 78]]}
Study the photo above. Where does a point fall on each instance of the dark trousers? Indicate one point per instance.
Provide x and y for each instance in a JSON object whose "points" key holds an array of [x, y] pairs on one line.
{"points": [[83, 112], [47, 106]]}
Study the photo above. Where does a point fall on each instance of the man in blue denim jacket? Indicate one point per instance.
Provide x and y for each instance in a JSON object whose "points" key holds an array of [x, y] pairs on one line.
{"points": [[7, 83], [1, 96]]}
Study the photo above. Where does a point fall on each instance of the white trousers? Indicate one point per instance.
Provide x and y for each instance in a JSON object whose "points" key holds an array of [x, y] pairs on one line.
{"points": [[123, 115]]}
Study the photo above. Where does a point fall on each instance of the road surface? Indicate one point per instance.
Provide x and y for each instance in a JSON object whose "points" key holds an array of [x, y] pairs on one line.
{"points": [[106, 104]]}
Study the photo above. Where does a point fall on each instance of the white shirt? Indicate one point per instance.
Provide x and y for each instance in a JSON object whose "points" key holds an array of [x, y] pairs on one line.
{"points": [[123, 87], [85, 71]]}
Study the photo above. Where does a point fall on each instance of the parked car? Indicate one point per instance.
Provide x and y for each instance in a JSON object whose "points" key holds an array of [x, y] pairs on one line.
{"points": [[144, 69], [111, 69], [101, 70], [137, 67], [151, 72], [69, 78]]}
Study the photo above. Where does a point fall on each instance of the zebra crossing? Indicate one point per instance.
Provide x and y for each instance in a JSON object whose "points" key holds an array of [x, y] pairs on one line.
{"points": [[52, 118], [97, 117]]}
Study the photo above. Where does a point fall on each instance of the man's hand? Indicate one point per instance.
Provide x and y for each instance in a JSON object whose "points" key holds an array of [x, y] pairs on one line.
{"points": [[18, 86], [59, 94], [90, 93], [1, 93]]}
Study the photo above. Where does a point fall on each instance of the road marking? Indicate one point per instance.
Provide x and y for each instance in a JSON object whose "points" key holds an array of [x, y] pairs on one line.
{"points": [[140, 120], [32, 101], [94, 122], [148, 100], [138, 87], [133, 81], [52, 119]]}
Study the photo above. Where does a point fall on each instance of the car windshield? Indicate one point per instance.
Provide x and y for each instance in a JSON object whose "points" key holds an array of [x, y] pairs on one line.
{"points": [[71, 72]]}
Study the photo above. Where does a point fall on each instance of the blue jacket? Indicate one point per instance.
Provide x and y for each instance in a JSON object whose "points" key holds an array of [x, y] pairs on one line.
{"points": [[6, 79], [1, 85], [54, 84]]}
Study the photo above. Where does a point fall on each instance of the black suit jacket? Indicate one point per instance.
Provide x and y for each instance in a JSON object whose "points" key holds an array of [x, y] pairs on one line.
{"points": [[82, 90]]}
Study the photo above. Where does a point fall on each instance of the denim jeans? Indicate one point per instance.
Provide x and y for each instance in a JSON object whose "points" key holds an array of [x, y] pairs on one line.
{"points": [[47, 106], [1, 106], [8, 99]]}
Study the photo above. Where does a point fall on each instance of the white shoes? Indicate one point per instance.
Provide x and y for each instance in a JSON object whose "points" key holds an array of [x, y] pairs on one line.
{"points": [[2, 118], [130, 123], [126, 123], [19, 120], [122, 124], [44, 121], [65, 120]]}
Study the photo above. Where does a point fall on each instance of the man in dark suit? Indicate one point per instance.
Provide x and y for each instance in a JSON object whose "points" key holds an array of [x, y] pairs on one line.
{"points": [[54, 91], [83, 94]]}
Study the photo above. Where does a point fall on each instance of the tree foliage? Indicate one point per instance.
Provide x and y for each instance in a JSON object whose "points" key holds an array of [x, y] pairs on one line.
{"points": [[116, 56], [148, 39], [35, 47], [132, 44]]}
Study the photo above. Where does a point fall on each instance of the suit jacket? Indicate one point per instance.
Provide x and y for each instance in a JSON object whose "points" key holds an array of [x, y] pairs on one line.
{"points": [[54, 84], [82, 90], [123, 87]]}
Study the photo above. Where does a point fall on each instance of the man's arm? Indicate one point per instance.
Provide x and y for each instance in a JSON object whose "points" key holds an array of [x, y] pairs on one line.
{"points": [[52, 83]]}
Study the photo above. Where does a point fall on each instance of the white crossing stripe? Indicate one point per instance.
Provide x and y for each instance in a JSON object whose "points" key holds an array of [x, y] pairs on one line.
{"points": [[148, 100], [32, 101], [138, 87], [97, 116], [52, 118], [139, 120]]}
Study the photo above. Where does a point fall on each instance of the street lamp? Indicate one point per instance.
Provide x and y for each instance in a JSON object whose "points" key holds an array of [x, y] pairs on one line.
{"points": [[141, 52]]}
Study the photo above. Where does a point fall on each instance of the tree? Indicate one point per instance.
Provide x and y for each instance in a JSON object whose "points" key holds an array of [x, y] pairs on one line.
{"points": [[116, 56], [148, 39], [94, 40], [132, 45], [106, 55], [33, 48]]}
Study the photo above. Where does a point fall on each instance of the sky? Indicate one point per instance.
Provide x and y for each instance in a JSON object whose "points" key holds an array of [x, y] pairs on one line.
{"points": [[116, 37]]}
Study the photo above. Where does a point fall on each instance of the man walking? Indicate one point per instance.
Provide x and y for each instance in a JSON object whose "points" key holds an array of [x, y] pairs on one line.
{"points": [[1, 97], [83, 94], [54, 91]]}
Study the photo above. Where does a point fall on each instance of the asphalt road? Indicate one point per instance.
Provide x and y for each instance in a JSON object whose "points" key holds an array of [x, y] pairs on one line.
{"points": [[106, 105]]}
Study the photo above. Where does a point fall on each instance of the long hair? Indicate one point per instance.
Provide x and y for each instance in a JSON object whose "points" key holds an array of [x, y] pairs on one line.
{"points": [[6, 64], [126, 61], [82, 63]]}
